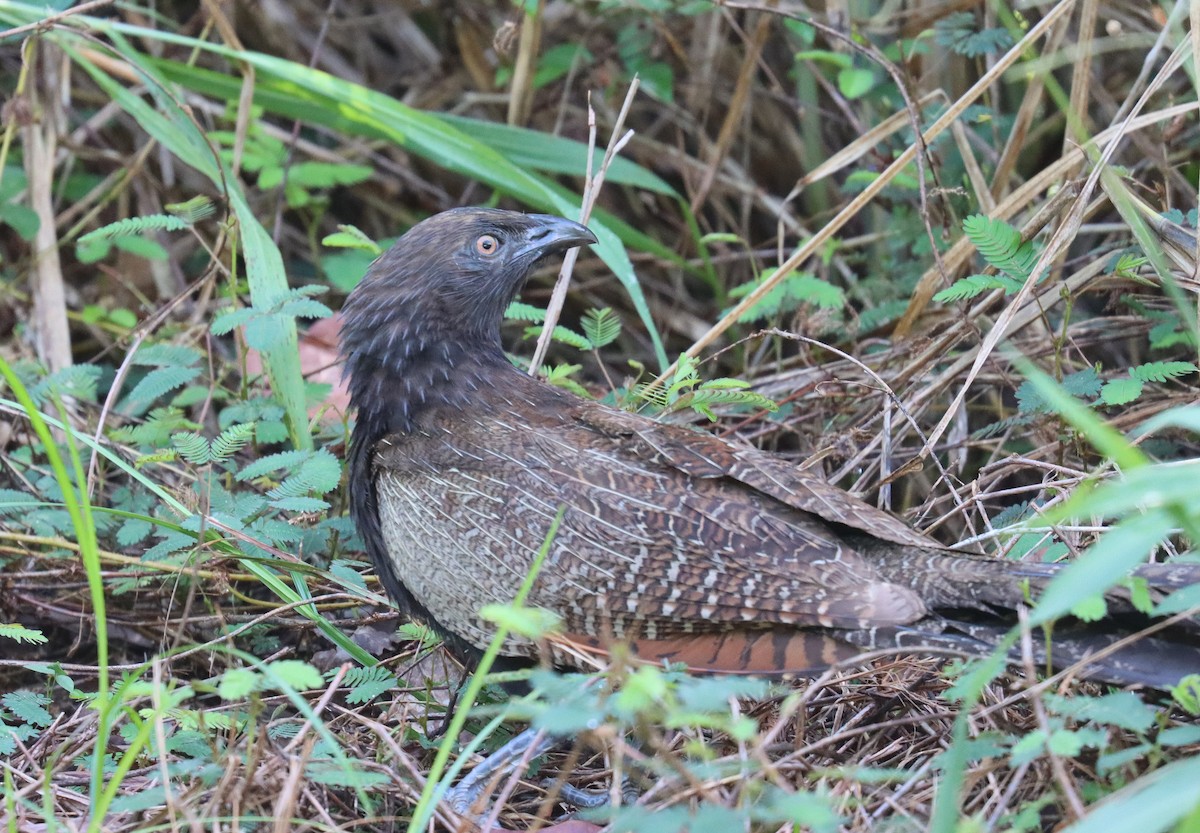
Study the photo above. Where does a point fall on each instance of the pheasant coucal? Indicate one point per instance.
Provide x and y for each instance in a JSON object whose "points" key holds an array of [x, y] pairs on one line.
{"points": [[690, 548]]}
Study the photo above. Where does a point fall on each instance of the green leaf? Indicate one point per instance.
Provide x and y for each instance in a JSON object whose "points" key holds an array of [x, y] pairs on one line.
{"points": [[29, 707], [1120, 391], [520, 311], [232, 440], [295, 673], [978, 673], [22, 219], [260, 322], [1122, 709], [351, 237], [601, 326], [530, 622], [194, 448], [643, 688], [142, 247], [328, 174], [1157, 486], [194, 210], [554, 154], [658, 80], [1154, 803], [305, 308], [825, 56], [347, 573], [1186, 417], [1180, 735], [151, 355], [345, 269], [134, 226], [306, 471], [563, 335], [288, 460], [155, 384], [1000, 245], [228, 321], [788, 295], [702, 398], [339, 774], [556, 62], [560, 376], [1140, 596], [1065, 742], [269, 177], [93, 251], [960, 32], [20, 633], [712, 694], [367, 683], [854, 83], [1031, 399], [1083, 384], [973, 285], [300, 504], [1090, 610], [123, 318], [237, 683], [719, 237], [1185, 598], [1161, 371], [1028, 748], [77, 381], [805, 810]]}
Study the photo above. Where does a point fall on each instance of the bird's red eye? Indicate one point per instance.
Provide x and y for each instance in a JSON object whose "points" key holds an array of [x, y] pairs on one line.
{"points": [[487, 245]]}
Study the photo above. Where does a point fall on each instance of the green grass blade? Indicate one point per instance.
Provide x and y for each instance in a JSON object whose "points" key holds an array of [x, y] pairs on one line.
{"points": [[73, 484]]}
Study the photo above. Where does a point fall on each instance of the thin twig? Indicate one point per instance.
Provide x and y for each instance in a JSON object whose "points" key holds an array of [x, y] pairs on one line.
{"points": [[591, 192]]}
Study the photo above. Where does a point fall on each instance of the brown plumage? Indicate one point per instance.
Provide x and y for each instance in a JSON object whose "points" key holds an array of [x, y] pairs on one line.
{"points": [[690, 548]]}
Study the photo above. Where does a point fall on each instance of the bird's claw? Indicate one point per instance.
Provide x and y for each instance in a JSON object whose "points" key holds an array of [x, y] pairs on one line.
{"points": [[589, 800]]}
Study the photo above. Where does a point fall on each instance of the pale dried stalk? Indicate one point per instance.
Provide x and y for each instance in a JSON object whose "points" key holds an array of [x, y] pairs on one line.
{"points": [[52, 334], [591, 192]]}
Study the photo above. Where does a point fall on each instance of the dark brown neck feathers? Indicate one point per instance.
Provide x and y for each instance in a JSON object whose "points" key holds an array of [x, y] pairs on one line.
{"points": [[406, 349]]}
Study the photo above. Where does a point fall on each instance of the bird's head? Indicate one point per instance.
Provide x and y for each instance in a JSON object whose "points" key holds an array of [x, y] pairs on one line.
{"points": [[436, 298], [459, 269]]}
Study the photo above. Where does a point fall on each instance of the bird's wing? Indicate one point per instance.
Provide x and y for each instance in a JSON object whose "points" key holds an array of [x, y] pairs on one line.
{"points": [[702, 455], [656, 542]]}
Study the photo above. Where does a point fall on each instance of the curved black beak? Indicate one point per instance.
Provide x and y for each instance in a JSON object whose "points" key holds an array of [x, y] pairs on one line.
{"points": [[549, 234]]}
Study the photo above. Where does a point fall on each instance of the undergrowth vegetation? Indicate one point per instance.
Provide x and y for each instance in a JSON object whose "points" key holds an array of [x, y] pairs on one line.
{"points": [[947, 257]]}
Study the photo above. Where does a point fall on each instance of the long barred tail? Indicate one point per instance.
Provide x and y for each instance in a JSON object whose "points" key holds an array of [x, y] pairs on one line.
{"points": [[974, 600], [1152, 661]]}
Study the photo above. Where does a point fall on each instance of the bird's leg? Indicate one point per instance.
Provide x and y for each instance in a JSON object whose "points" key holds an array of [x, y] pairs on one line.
{"points": [[521, 749], [518, 752]]}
